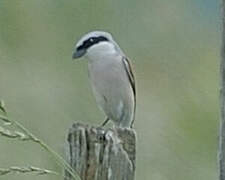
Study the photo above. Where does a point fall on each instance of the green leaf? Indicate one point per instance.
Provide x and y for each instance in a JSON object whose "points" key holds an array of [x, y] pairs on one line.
{"points": [[2, 106]]}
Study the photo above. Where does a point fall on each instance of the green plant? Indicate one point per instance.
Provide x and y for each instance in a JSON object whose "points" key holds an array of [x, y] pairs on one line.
{"points": [[25, 135]]}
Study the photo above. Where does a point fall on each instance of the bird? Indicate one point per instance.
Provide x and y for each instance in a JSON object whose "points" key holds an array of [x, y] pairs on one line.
{"points": [[111, 77]]}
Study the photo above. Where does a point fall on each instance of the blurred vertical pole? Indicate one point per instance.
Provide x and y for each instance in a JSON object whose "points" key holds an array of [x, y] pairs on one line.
{"points": [[222, 100]]}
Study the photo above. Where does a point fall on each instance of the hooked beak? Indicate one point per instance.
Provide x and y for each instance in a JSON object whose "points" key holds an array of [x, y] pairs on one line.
{"points": [[78, 53]]}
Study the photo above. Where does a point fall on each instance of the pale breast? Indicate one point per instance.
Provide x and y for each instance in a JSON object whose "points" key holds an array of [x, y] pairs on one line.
{"points": [[111, 88]]}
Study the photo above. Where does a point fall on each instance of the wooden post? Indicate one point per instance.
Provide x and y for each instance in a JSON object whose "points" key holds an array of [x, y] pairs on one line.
{"points": [[102, 154], [222, 100]]}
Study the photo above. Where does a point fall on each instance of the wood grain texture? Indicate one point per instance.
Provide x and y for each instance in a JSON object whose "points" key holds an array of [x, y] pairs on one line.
{"points": [[102, 154]]}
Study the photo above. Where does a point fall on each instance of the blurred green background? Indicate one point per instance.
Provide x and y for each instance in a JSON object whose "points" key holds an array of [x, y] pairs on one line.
{"points": [[175, 49]]}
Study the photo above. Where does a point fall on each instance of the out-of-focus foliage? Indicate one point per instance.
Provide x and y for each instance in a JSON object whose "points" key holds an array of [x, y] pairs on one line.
{"points": [[174, 46]]}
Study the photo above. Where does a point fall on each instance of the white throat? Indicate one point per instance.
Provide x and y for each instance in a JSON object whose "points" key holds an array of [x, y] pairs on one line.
{"points": [[100, 50]]}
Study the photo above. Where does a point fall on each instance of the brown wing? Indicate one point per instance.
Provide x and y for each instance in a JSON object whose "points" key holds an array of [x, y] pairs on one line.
{"points": [[128, 68]]}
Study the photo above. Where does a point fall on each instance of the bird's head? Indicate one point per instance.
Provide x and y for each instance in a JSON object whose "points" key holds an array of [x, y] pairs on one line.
{"points": [[95, 43]]}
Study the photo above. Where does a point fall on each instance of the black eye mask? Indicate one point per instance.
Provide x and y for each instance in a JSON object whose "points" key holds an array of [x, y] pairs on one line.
{"points": [[91, 41]]}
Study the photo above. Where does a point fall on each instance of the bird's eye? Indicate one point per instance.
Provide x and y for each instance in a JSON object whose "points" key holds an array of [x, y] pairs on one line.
{"points": [[92, 40]]}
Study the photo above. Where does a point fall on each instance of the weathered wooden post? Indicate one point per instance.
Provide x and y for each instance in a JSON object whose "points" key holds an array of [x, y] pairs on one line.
{"points": [[102, 154]]}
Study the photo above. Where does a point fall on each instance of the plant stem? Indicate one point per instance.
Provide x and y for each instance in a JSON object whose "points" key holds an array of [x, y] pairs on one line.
{"points": [[57, 157]]}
